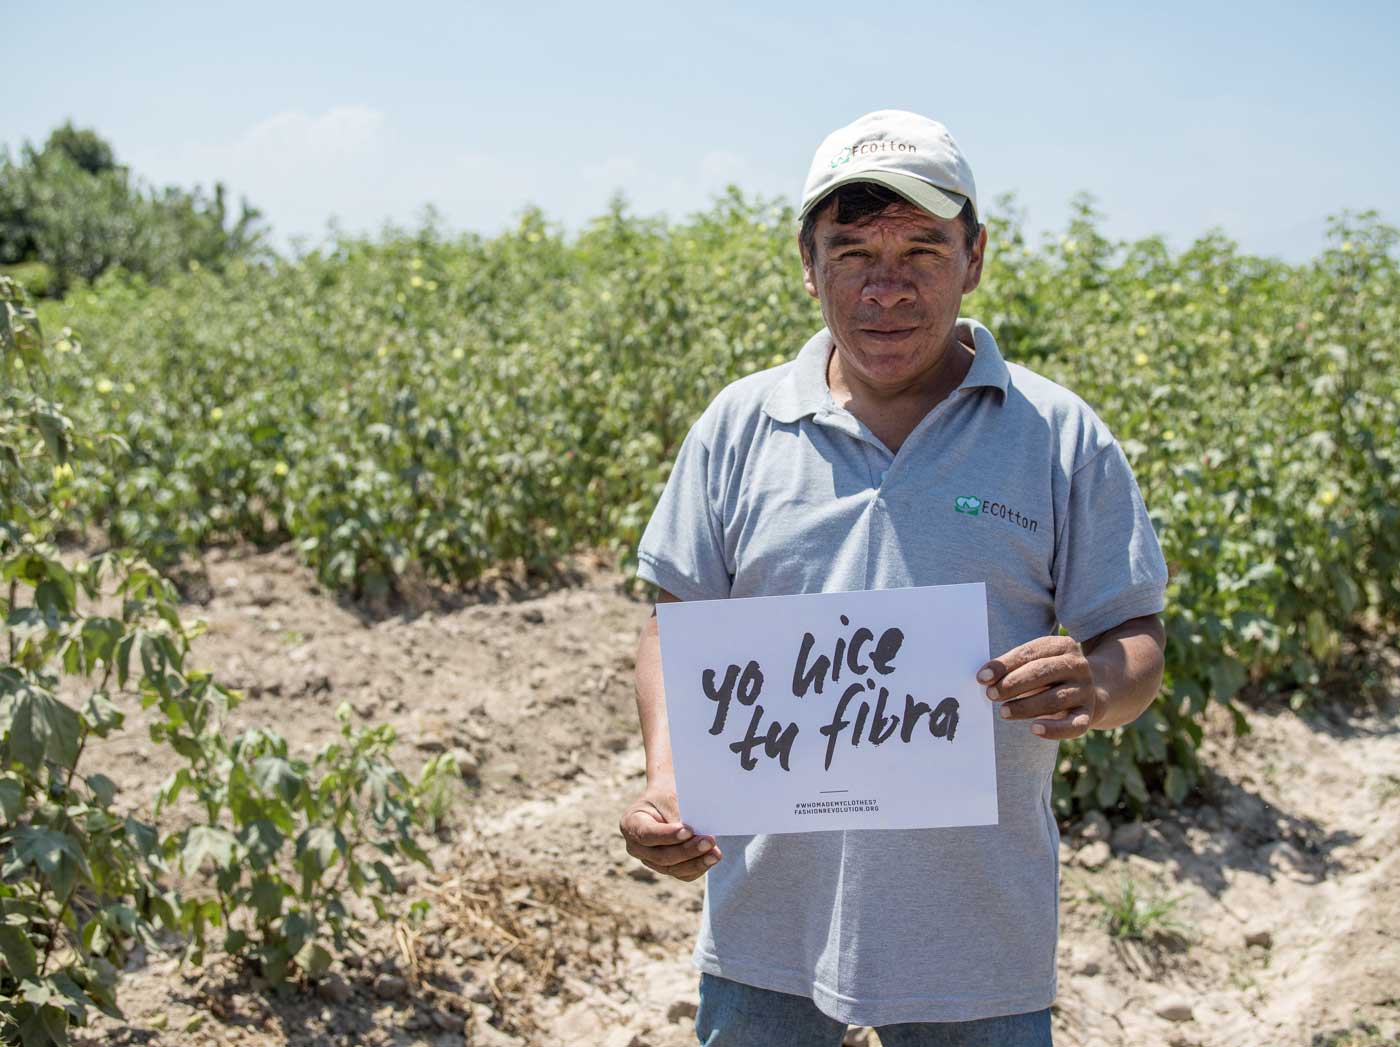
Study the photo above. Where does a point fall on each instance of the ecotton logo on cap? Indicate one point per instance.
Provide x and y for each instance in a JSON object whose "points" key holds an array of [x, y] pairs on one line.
{"points": [[968, 504], [869, 148]]}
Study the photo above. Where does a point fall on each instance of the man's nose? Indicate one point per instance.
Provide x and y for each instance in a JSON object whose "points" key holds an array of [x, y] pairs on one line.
{"points": [[887, 290]]}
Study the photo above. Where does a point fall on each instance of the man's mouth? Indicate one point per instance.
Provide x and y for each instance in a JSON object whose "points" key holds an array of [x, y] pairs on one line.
{"points": [[887, 334]]}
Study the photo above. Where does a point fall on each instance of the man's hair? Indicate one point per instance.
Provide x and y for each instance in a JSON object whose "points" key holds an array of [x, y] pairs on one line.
{"points": [[857, 201]]}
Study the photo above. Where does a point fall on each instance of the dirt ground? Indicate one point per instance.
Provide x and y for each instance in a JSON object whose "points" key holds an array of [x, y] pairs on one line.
{"points": [[1284, 871]]}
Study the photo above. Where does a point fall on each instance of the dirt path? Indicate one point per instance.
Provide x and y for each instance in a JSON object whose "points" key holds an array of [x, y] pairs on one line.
{"points": [[1285, 872]]}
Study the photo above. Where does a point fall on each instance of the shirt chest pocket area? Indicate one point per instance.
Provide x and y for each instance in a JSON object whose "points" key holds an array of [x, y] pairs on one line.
{"points": [[798, 521]]}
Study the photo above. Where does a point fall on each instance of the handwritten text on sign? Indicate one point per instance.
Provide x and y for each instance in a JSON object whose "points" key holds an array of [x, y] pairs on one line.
{"points": [[856, 710]]}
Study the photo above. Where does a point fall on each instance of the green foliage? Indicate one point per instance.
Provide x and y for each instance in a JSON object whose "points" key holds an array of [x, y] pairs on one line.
{"points": [[417, 404], [71, 206], [36, 277], [442, 793], [1135, 914], [283, 839], [82, 880]]}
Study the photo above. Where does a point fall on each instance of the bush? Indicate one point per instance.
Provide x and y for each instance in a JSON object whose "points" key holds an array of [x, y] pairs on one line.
{"points": [[81, 880]]}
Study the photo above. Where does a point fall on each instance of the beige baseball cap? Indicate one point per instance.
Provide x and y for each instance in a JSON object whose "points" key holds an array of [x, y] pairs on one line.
{"points": [[914, 156]]}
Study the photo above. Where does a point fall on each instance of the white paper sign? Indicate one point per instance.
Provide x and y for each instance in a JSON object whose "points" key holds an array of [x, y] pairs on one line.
{"points": [[857, 710]]}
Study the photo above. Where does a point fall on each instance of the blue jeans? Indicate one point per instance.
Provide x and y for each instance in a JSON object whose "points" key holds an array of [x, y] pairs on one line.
{"points": [[736, 1015]]}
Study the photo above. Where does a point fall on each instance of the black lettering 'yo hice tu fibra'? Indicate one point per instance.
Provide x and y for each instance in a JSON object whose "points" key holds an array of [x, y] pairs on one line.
{"points": [[872, 722]]}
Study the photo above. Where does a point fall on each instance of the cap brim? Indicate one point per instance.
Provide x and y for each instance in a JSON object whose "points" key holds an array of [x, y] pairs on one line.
{"points": [[921, 194]]}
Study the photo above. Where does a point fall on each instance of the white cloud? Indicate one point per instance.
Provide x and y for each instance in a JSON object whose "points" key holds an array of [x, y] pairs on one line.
{"points": [[343, 131], [298, 168]]}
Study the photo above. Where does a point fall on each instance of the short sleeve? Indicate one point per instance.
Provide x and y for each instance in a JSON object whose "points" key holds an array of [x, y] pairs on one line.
{"points": [[682, 548], [1108, 563]]}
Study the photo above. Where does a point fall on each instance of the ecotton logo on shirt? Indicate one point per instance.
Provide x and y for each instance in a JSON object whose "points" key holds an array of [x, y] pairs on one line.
{"points": [[970, 506]]}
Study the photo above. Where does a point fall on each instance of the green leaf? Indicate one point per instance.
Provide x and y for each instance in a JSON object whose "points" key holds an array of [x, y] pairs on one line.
{"points": [[71, 992], [57, 855], [48, 599], [1348, 593], [101, 715], [1176, 785], [262, 840], [322, 843], [272, 774], [103, 788], [159, 909], [1227, 676], [45, 1025], [206, 842], [314, 959], [1132, 781], [274, 963], [100, 637], [146, 839], [1110, 785], [18, 952], [11, 799], [410, 847], [297, 928], [387, 880], [266, 897], [171, 788], [94, 937], [1322, 638], [54, 428], [40, 727]]}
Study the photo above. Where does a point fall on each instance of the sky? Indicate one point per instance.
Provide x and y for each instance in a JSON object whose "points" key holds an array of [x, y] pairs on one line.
{"points": [[1257, 119]]}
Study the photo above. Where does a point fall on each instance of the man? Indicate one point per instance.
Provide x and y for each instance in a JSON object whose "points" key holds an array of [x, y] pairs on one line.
{"points": [[900, 449]]}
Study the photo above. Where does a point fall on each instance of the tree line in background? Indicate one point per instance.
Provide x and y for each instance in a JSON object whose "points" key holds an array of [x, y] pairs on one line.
{"points": [[70, 212]]}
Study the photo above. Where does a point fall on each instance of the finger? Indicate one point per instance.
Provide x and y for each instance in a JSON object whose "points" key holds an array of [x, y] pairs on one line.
{"points": [[1074, 725], [1031, 650], [645, 826], [690, 870], [1051, 702], [1039, 675], [675, 854]]}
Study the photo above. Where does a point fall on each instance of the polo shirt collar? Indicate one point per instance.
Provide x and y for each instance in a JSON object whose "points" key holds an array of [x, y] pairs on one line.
{"points": [[803, 390]]}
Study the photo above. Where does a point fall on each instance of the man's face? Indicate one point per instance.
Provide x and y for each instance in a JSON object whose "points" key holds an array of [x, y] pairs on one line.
{"points": [[890, 288]]}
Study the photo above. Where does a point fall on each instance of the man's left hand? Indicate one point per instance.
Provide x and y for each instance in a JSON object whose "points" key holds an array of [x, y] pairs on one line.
{"points": [[1048, 680]]}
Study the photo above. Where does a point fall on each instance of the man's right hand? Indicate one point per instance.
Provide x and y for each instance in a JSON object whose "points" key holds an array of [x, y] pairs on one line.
{"points": [[658, 839]]}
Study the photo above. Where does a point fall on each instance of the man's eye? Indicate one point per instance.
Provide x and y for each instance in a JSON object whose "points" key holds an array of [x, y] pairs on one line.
{"points": [[854, 254]]}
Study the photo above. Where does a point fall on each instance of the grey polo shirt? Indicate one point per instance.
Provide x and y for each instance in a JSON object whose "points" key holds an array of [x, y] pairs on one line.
{"points": [[1013, 481]]}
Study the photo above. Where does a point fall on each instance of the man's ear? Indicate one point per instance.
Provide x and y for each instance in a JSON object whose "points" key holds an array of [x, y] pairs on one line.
{"points": [[974, 265], [809, 269]]}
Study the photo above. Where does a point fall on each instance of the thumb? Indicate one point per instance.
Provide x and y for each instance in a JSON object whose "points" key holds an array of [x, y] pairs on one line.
{"points": [[649, 826]]}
